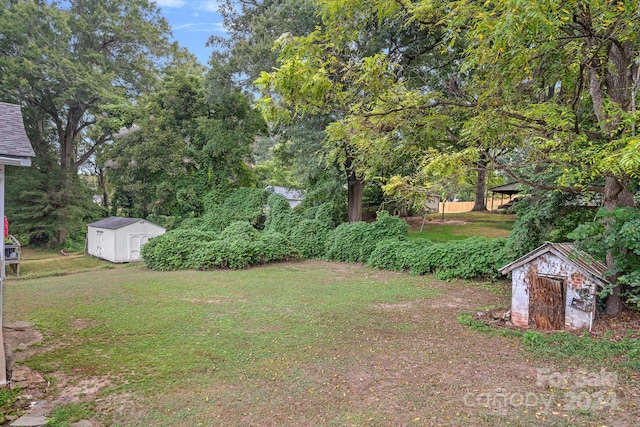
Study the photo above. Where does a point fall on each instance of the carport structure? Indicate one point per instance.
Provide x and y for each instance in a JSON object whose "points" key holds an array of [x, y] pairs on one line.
{"points": [[507, 189]]}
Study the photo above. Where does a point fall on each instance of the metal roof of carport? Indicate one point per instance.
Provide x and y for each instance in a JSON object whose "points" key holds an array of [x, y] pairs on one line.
{"points": [[509, 189]]}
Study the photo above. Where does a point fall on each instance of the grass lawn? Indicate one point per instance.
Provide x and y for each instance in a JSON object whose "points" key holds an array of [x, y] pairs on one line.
{"points": [[458, 226], [292, 344], [40, 263]]}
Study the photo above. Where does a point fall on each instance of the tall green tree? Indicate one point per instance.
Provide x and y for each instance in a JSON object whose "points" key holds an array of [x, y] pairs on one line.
{"points": [[365, 55], [293, 154], [184, 142], [66, 63], [559, 79]]}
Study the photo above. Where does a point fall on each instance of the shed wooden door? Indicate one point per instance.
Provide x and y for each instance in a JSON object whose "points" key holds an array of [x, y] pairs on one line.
{"points": [[547, 303]]}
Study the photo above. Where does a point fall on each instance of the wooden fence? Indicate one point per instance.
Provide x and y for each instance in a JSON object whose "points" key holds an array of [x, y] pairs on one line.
{"points": [[453, 207]]}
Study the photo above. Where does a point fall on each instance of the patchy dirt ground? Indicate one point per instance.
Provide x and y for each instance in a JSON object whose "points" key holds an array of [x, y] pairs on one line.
{"points": [[415, 364], [416, 221]]}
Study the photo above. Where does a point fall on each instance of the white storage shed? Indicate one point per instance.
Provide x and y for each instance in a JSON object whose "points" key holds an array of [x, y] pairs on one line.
{"points": [[118, 239]]}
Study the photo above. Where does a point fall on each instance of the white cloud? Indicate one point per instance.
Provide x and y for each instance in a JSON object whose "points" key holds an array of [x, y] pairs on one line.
{"points": [[209, 5], [195, 27], [171, 3]]}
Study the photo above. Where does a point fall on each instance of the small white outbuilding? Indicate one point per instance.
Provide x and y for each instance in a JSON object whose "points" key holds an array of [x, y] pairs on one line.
{"points": [[118, 239]]}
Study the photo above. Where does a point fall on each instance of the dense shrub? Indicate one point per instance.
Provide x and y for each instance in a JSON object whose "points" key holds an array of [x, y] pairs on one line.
{"points": [[276, 247], [397, 255], [356, 241], [239, 230], [466, 259], [280, 217], [172, 250], [469, 258], [227, 237], [310, 238], [325, 215], [245, 204]]}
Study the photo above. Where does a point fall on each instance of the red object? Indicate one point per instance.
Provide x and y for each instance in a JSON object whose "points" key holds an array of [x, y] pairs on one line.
{"points": [[6, 227]]}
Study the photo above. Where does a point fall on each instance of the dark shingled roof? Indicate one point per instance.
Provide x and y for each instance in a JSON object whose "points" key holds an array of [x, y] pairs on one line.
{"points": [[13, 138], [114, 222]]}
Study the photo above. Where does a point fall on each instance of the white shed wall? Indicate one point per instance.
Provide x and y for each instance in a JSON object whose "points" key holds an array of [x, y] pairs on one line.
{"points": [[549, 265], [121, 244], [101, 243]]}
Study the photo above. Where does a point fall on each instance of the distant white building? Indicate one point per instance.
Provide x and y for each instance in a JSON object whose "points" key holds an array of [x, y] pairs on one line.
{"points": [[293, 196], [118, 239]]}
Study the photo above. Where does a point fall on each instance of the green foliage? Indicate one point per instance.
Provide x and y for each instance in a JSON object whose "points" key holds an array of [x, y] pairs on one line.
{"points": [[280, 218], [288, 234], [310, 238], [563, 346], [8, 402], [172, 250], [70, 413], [546, 216], [244, 204], [469, 258], [40, 203], [240, 230], [615, 232], [396, 255], [355, 242], [325, 215], [186, 143], [226, 237]]}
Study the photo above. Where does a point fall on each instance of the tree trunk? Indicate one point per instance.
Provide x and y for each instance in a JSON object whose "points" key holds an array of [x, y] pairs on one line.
{"points": [[355, 189], [615, 196], [479, 204], [103, 186]]}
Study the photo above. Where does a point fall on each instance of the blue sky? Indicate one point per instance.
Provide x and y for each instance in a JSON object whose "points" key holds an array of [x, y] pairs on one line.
{"points": [[192, 23]]}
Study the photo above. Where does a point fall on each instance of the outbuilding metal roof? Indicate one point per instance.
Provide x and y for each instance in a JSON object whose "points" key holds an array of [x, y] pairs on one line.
{"points": [[509, 189], [114, 222], [567, 252], [287, 193], [13, 138]]}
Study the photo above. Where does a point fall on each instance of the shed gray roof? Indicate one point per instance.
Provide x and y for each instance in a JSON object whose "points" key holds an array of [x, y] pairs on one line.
{"points": [[568, 253], [13, 138], [114, 222], [287, 193]]}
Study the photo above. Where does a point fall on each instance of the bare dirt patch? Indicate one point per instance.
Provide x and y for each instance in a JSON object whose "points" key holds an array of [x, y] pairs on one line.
{"points": [[80, 324], [415, 222]]}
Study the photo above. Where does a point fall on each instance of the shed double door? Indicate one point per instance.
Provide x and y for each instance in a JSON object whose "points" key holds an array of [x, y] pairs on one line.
{"points": [[136, 241], [547, 303]]}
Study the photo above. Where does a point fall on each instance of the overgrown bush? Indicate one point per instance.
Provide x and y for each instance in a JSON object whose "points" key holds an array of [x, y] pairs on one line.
{"points": [[280, 217], [310, 238], [227, 237], [244, 204], [355, 242], [466, 259], [397, 255], [620, 238], [172, 250]]}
